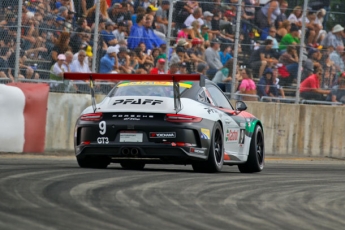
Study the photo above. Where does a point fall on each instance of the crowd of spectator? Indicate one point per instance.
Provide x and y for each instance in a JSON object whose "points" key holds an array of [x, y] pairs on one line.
{"points": [[133, 39]]}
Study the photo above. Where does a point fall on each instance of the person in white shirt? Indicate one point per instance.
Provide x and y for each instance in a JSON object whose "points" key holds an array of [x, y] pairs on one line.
{"points": [[59, 68], [79, 64], [197, 13]]}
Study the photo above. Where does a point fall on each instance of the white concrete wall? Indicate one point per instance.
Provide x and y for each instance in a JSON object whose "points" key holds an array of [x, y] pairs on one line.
{"points": [[303, 130]]}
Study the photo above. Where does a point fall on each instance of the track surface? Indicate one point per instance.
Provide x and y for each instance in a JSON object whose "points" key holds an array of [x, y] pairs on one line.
{"points": [[53, 193]]}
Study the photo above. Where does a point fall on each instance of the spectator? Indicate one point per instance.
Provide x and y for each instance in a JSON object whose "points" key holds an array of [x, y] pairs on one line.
{"points": [[174, 68], [282, 16], [283, 29], [107, 34], [182, 68], [310, 87], [137, 32], [178, 56], [337, 93], [335, 56], [159, 69], [183, 32], [212, 58], [76, 41], [109, 62], [291, 38], [247, 85], [195, 31], [202, 69], [196, 15], [224, 54], [5, 71], [142, 58], [334, 38], [162, 17], [289, 60], [261, 58], [119, 33], [121, 43], [275, 47], [123, 60], [61, 46], [69, 60], [133, 61], [79, 65], [266, 86], [295, 16], [91, 13], [59, 68], [278, 89], [223, 77], [268, 14], [152, 40], [197, 52], [205, 33]]}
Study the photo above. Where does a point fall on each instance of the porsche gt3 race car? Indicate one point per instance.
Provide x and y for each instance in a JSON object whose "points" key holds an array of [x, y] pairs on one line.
{"points": [[167, 119]]}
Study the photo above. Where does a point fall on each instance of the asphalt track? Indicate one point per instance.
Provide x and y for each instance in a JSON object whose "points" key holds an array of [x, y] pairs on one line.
{"points": [[39, 192]]}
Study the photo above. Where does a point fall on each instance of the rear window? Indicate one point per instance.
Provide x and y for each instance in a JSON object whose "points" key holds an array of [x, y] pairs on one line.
{"points": [[159, 89]]}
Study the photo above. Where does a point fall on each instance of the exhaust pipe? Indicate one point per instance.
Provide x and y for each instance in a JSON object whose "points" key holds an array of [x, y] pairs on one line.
{"points": [[125, 151], [134, 152]]}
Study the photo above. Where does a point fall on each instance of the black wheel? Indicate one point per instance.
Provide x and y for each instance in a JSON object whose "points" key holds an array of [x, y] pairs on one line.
{"points": [[215, 159], [97, 163], [256, 157], [132, 165]]}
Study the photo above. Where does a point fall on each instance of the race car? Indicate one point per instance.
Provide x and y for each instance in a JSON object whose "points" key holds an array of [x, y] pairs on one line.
{"points": [[166, 119]]}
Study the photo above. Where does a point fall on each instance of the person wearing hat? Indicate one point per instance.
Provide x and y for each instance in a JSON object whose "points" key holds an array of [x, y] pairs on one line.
{"points": [[174, 68], [107, 34], [336, 57], [123, 60], [182, 68], [310, 87], [159, 69], [162, 17], [196, 52], [59, 68], [223, 77], [183, 32], [265, 86], [108, 62], [291, 38], [334, 38]]}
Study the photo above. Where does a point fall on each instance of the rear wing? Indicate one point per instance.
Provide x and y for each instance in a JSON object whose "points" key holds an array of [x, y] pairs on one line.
{"points": [[175, 78]]}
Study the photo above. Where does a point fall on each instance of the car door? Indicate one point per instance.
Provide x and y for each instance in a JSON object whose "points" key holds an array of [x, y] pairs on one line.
{"points": [[231, 127]]}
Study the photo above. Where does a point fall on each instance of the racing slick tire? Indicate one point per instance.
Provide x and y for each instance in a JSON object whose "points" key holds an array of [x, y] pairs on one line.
{"points": [[215, 159], [97, 163], [256, 157], [132, 165]]}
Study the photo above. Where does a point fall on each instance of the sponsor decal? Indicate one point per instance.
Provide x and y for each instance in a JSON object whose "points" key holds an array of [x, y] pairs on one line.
{"points": [[102, 140], [137, 101], [102, 127], [205, 134], [231, 135], [163, 135], [241, 140], [132, 117], [197, 150], [210, 110], [159, 83]]}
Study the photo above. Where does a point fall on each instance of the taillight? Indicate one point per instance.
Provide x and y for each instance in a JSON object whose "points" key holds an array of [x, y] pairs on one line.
{"points": [[91, 117], [182, 118]]}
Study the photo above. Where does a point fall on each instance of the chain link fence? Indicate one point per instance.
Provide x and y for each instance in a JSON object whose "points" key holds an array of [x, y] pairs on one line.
{"points": [[182, 36]]}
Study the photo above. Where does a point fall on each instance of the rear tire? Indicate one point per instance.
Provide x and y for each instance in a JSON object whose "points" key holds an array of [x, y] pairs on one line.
{"points": [[132, 165], [215, 159], [97, 162], [256, 157]]}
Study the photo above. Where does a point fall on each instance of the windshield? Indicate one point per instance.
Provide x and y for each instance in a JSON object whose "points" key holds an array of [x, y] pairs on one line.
{"points": [[159, 89]]}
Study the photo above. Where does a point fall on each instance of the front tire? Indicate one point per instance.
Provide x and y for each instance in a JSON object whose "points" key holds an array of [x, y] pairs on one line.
{"points": [[215, 159], [97, 163], [256, 157]]}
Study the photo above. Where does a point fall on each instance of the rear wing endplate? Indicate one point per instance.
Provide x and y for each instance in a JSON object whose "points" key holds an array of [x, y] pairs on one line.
{"points": [[175, 78]]}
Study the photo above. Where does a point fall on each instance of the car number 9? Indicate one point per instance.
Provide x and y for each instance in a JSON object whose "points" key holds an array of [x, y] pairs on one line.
{"points": [[102, 127]]}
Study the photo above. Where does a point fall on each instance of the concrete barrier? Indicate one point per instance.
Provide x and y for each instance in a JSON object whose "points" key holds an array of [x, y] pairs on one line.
{"points": [[303, 130]]}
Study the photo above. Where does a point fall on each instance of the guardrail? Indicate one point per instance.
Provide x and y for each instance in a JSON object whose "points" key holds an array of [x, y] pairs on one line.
{"points": [[277, 99]]}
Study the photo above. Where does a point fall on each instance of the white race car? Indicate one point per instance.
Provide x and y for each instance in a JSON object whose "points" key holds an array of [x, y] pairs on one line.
{"points": [[167, 119]]}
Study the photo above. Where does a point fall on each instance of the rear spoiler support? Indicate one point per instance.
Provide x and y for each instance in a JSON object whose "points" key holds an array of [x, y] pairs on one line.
{"points": [[137, 77]]}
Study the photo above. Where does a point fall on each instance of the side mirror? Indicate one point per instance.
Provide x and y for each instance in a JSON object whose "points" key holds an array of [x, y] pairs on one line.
{"points": [[240, 106]]}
